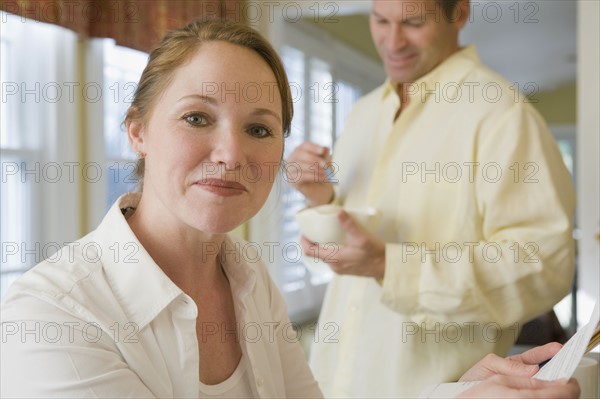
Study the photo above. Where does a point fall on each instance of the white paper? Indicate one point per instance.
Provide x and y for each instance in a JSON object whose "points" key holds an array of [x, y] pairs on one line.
{"points": [[564, 363]]}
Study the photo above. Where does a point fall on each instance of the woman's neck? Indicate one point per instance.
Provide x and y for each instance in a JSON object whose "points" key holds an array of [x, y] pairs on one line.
{"points": [[189, 257]]}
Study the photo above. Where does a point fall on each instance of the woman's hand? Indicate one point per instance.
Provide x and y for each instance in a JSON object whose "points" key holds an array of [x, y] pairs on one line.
{"points": [[511, 377], [523, 365], [503, 386]]}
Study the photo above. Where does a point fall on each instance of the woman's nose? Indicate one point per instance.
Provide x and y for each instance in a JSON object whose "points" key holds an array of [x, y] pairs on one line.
{"points": [[229, 151]]}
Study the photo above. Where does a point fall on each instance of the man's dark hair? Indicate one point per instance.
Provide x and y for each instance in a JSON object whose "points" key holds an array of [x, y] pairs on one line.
{"points": [[448, 7]]}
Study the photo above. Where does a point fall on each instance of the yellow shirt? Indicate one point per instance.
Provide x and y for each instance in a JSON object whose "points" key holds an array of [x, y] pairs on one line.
{"points": [[477, 208]]}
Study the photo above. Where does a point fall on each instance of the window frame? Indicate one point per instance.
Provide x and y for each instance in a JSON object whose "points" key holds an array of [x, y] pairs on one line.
{"points": [[48, 124], [304, 296], [96, 150]]}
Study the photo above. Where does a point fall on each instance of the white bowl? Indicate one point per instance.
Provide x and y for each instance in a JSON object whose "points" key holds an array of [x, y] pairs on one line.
{"points": [[320, 225]]}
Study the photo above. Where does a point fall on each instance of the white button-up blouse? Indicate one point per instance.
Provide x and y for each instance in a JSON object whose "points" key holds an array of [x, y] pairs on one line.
{"points": [[100, 319]]}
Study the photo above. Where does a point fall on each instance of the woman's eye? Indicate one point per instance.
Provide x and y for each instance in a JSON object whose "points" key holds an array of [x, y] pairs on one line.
{"points": [[260, 131], [196, 119]]}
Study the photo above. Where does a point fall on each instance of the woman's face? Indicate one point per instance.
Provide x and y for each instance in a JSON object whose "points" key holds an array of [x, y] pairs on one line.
{"points": [[214, 140]]}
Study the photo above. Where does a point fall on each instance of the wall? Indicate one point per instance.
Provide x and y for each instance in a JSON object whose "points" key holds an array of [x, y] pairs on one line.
{"points": [[352, 30], [588, 160], [558, 106]]}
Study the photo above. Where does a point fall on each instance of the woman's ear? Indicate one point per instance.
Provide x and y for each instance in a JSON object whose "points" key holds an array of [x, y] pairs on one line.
{"points": [[135, 134]]}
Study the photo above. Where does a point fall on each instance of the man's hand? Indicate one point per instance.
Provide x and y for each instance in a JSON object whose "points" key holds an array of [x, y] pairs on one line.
{"points": [[502, 386], [363, 254], [305, 171]]}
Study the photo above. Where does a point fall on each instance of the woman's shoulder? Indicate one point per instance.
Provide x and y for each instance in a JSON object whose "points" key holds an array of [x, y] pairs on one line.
{"points": [[62, 281]]}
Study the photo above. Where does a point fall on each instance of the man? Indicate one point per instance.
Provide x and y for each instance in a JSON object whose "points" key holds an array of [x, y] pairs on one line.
{"points": [[476, 204]]}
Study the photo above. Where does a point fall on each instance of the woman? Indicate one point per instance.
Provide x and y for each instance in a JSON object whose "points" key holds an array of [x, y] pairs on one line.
{"points": [[161, 302], [158, 301]]}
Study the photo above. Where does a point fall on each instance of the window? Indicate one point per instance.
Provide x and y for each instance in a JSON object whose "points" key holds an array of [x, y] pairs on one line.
{"points": [[122, 70], [115, 70], [6, 133], [324, 90], [16, 226], [37, 144], [44, 165]]}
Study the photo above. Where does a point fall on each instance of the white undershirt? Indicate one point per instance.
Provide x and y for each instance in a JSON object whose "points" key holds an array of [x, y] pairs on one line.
{"points": [[236, 386]]}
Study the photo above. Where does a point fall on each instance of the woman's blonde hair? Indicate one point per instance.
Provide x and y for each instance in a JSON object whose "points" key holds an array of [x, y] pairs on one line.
{"points": [[179, 45]]}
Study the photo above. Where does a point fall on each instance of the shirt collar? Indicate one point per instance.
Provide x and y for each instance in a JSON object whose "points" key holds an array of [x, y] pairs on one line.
{"points": [[139, 284], [235, 256], [454, 69]]}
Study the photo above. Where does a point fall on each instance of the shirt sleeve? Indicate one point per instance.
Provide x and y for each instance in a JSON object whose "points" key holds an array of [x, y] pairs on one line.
{"points": [[523, 262], [66, 359]]}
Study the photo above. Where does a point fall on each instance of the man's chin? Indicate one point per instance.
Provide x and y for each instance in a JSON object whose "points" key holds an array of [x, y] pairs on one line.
{"points": [[400, 77]]}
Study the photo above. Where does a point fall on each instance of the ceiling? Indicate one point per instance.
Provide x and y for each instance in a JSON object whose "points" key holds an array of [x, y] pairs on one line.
{"points": [[533, 43]]}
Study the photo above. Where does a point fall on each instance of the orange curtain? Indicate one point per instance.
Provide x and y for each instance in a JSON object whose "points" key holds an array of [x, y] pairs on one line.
{"points": [[138, 24]]}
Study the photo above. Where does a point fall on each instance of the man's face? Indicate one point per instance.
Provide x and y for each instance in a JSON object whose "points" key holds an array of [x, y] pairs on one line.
{"points": [[413, 37]]}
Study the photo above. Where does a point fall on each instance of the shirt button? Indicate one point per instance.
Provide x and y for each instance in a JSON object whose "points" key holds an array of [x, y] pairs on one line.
{"points": [[259, 381], [353, 308]]}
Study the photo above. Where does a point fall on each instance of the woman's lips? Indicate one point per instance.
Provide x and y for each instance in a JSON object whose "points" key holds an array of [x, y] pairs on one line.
{"points": [[225, 188]]}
